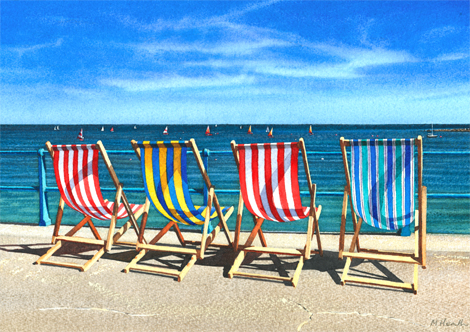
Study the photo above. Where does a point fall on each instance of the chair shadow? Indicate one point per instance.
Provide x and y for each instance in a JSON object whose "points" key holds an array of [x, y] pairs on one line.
{"points": [[218, 257]]}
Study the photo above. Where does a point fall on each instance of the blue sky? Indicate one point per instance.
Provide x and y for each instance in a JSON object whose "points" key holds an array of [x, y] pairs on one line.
{"points": [[307, 62]]}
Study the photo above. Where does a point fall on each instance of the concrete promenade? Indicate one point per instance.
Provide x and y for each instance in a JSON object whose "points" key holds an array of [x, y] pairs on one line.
{"points": [[48, 298]]}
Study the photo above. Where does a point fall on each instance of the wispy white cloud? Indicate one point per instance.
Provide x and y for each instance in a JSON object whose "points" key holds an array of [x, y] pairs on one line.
{"points": [[21, 50], [452, 57], [177, 82], [440, 32], [227, 48]]}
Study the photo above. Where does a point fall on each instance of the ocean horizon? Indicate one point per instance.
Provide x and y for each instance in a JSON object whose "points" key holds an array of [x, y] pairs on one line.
{"points": [[446, 169]]}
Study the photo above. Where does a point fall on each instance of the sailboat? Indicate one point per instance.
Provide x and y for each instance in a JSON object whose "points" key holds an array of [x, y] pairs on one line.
{"points": [[102, 128], [267, 129], [135, 127], [58, 128], [208, 131], [271, 133], [80, 135], [310, 132], [112, 129], [165, 131], [249, 131], [431, 135], [241, 127]]}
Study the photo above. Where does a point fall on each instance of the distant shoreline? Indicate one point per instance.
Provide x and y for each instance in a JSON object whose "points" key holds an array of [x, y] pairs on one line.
{"points": [[459, 129]]}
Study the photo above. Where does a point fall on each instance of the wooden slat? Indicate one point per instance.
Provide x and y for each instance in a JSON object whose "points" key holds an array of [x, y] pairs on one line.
{"points": [[261, 276], [126, 243], [187, 268], [73, 265], [278, 251], [382, 257], [236, 264], [383, 252], [92, 261], [159, 270], [238, 224], [223, 218], [78, 239], [317, 214], [342, 232], [422, 226], [112, 224], [49, 253], [206, 222], [58, 218], [175, 250], [94, 230], [211, 238], [77, 227], [346, 270], [385, 283], [295, 278], [136, 259]]}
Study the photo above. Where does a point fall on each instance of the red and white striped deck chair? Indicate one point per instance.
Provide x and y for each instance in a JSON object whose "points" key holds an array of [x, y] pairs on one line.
{"points": [[269, 188], [76, 173]]}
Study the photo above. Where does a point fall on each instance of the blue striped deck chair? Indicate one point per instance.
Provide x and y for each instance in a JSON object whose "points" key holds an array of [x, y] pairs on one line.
{"points": [[381, 192], [164, 171]]}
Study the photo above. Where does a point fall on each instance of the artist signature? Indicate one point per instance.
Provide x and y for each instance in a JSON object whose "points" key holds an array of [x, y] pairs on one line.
{"points": [[446, 322]]}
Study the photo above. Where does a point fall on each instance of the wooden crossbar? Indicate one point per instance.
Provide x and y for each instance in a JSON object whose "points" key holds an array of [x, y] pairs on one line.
{"points": [[72, 265], [78, 239], [175, 250], [386, 283], [383, 257], [161, 270], [276, 251]]}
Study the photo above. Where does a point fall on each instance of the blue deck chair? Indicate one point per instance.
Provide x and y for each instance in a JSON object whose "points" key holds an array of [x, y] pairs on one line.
{"points": [[381, 192], [164, 171]]}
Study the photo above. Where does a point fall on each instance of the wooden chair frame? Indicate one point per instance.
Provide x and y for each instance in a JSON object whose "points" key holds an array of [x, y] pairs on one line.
{"points": [[111, 239], [206, 239], [416, 258], [304, 254]]}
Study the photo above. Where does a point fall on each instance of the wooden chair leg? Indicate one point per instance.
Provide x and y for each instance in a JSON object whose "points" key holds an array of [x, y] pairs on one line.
{"points": [[223, 219], [345, 271], [49, 253], [94, 230], [239, 223], [58, 219], [343, 223], [317, 230], [112, 224], [206, 223]]}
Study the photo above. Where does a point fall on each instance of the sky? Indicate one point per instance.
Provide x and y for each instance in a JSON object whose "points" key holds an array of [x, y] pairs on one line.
{"points": [[235, 62]]}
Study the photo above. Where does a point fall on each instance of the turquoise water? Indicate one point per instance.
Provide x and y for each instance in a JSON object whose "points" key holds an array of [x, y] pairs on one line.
{"points": [[443, 173]]}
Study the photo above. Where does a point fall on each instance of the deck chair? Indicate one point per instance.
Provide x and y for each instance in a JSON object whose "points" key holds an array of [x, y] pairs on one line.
{"points": [[269, 188], [381, 192], [164, 170], [76, 173]]}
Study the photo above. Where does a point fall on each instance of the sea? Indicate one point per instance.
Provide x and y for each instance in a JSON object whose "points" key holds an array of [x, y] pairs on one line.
{"points": [[446, 170]]}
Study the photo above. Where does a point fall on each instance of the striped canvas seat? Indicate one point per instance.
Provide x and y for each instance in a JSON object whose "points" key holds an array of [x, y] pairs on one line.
{"points": [[380, 191], [76, 172], [269, 188], [269, 181], [382, 182], [164, 169]]}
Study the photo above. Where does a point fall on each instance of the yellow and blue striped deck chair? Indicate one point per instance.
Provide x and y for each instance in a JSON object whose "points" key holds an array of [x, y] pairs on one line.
{"points": [[164, 171], [381, 192]]}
